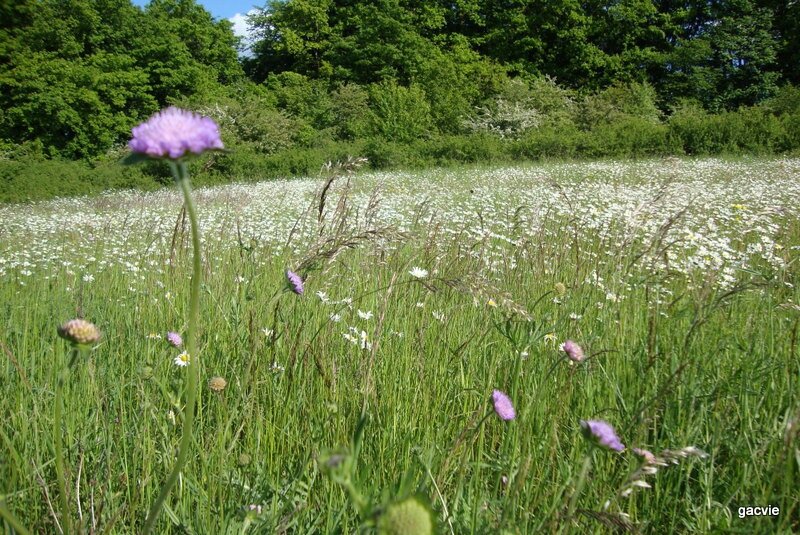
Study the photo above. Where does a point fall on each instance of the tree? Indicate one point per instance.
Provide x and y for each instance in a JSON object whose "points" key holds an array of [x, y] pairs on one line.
{"points": [[83, 72], [723, 53]]}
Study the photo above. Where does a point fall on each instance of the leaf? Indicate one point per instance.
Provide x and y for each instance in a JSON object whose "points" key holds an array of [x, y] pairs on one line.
{"points": [[134, 158]]}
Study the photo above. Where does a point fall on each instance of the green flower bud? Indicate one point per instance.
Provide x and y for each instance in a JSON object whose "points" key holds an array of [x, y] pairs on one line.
{"points": [[406, 517]]}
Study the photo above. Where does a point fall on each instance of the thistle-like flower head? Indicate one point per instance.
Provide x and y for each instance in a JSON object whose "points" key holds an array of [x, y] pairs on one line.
{"points": [[503, 406], [602, 434], [217, 384], [174, 339], [295, 282], [79, 332], [574, 351], [173, 132]]}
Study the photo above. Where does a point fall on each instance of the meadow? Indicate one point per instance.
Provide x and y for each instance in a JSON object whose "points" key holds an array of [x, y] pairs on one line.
{"points": [[424, 292]]}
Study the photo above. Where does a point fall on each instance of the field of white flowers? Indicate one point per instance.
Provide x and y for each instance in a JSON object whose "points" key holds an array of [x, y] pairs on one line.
{"points": [[424, 292]]}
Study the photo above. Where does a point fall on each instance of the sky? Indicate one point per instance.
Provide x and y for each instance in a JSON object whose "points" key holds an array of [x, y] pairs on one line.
{"points": [[233, 10]]}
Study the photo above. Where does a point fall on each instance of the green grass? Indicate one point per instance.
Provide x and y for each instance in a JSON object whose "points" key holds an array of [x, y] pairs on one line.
{"points": [[691, 330]]}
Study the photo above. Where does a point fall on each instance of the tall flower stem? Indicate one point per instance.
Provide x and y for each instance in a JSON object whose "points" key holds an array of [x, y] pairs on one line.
{"points": [[587, 464], [58, 445], [181, 173]]}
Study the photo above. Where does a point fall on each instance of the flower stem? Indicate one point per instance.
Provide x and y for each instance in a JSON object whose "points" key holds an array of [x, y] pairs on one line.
{"points": [[58, 410], [573, 501], [181, 173]]}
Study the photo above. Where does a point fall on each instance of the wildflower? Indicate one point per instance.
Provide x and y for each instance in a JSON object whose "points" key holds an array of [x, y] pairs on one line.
{"points": [[182, 359], [418, 272], [350, 338], [174, 339], [550, 338], [574, 316], [79, 332], [439, 316], [492, 303], [364, 315], [574, 351], [322, 296], [295, 282], [267, 332], [646, 456], [602, 434], [217, 384], [503, 406], [173, 132], [365, 343], [154, 336], [560, 289], [406, 517], [336, 318]]}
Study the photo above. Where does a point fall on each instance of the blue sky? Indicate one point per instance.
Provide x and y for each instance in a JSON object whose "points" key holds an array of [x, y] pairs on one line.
{"points": [[233, 10]]}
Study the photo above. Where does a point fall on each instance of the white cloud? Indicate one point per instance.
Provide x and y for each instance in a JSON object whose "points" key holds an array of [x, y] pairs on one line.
{"points": [[242, 29], [240, 26]]}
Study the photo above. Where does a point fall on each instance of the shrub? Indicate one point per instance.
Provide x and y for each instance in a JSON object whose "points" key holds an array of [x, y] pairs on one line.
{"points": [[477, 148], [549, 142], [400, 114], [618, 102], [350, 106], [628, 136]]}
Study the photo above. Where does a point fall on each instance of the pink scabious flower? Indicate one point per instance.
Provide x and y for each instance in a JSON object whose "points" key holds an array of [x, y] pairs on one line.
{"points": [[574, 351], [503, 406], [295, 282], [174, 339], [602, 434], [173, 132], [646, 456]]}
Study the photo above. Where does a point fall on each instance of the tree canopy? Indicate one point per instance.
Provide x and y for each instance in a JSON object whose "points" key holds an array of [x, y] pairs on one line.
{"points": [[75, 75]]}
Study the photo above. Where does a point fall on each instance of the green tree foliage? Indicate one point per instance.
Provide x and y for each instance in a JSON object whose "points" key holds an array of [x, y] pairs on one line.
{"points": [[406, 81], [293, 36], [723, 53], [78, 74]]}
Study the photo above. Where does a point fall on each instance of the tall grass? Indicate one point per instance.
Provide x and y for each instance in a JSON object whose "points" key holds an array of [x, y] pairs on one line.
{"points": [[679, 281]]}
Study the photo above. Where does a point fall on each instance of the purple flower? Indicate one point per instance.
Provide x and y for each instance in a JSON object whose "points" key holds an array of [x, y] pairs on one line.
{"points": [[503, 406], [646, 455], [295, 282], [601, 433], [573, 351], [173, 132], [174, 339]]}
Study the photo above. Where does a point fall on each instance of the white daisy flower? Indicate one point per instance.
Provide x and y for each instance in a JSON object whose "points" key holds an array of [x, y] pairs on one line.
{"points": [[365, 315], [418, 272], [182, 359]]}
